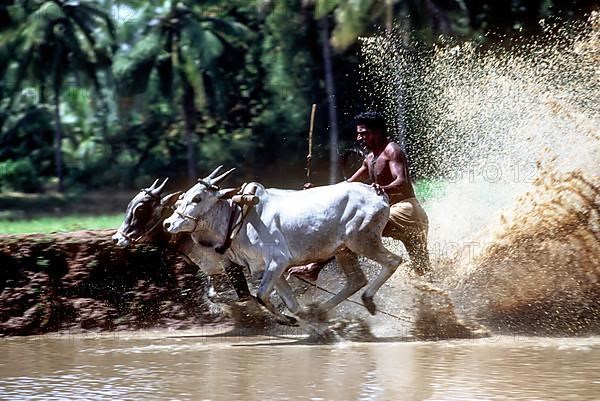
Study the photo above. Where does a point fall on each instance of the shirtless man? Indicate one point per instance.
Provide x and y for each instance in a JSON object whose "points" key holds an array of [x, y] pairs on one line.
{"points": [[387, 169]]}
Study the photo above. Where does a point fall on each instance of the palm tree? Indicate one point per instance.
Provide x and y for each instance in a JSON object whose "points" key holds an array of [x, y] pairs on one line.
{"points": [[51, 40], [182, 43]]}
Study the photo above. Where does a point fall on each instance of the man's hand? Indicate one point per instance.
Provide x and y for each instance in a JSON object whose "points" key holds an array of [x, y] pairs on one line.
{"points": [[307, 185], [378, 189]]}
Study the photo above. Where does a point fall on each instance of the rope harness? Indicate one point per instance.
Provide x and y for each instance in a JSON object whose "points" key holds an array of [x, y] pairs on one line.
{"points": [[187, 216], [403, 319], [241, 205], [242, 202], [229, 235]]}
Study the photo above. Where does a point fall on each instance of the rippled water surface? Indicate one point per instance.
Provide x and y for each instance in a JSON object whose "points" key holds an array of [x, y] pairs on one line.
{"points": [[166, 366]]}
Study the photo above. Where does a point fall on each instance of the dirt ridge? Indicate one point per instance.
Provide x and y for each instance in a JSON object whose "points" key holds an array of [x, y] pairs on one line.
{"points": [[80, 281]]}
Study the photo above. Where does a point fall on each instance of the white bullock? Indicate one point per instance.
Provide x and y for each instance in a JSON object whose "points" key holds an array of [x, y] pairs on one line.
{"points": [[290, 228]]}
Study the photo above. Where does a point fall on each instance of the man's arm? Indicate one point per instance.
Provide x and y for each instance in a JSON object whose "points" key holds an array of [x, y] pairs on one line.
{"points": [[397, 165], [361, 174]]}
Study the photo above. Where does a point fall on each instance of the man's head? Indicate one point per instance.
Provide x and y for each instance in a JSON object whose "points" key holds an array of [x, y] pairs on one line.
{"points": [[370, 128]]}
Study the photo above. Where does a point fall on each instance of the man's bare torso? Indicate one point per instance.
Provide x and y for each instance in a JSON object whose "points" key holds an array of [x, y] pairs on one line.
{"points": [[380, 173]]}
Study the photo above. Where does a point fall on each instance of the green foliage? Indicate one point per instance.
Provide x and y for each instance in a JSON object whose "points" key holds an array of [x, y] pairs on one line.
{"points": [[115, 75], [429, 189], [288, 65], [27, 133], [19, 175], [223, 144], [25, 149], [181, 58], [50, 41], [132, 70], [290, 82], [352, 18]]}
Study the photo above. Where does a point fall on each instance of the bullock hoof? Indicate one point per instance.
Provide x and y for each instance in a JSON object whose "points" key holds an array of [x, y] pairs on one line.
{"points": [[280, 318], [369, 304], [260, 302], [313, 313], [286, 320]]}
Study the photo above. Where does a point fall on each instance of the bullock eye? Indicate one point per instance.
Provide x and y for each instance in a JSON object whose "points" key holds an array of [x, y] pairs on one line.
{"points": [[140, 210], [197, 198]]}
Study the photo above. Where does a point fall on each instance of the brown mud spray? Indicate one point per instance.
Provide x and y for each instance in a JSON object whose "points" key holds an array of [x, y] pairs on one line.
{"points": [[512, 133]]}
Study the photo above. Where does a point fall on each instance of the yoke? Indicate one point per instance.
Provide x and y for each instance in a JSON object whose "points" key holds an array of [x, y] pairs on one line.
{"points": [[241, 204]]}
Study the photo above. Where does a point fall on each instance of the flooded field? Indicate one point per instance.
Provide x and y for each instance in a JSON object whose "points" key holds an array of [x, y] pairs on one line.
{"points": [[513, 240], [208, 365]]}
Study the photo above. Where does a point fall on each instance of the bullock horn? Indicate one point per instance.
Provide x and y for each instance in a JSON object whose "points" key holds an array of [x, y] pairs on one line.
{"points": [[220, 178], [215, 172], [158, 190], [208, 184], [153, 185]]}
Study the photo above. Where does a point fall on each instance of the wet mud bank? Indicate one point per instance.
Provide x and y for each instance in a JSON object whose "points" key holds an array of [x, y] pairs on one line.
{"points": [[80, 281]]}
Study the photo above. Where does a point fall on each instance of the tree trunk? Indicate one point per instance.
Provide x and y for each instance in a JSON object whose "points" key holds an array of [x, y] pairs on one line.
{"points": [[400, 93], [189, 115], [188, 104], [331, 101], [58, 135], [440, 22], [103, 104], [402, 42], [389, 15]]}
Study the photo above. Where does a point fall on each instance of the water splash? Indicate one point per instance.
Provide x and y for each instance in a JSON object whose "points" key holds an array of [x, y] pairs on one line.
{"points": [[513, 132], [337, 329]]}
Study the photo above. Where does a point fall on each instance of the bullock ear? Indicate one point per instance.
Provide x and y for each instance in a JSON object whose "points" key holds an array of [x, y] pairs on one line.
{"points": [[169, 200], [227, 193]]}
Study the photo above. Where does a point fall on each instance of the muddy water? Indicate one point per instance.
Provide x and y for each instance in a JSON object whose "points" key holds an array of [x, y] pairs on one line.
{"points": [[192, 366]]}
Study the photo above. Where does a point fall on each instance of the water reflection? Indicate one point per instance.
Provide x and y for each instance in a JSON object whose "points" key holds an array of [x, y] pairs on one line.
{"points": [[260, 368]]}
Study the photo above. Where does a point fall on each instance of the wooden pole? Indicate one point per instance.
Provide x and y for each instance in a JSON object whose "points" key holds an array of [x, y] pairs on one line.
{"points": [[310, 141]]}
